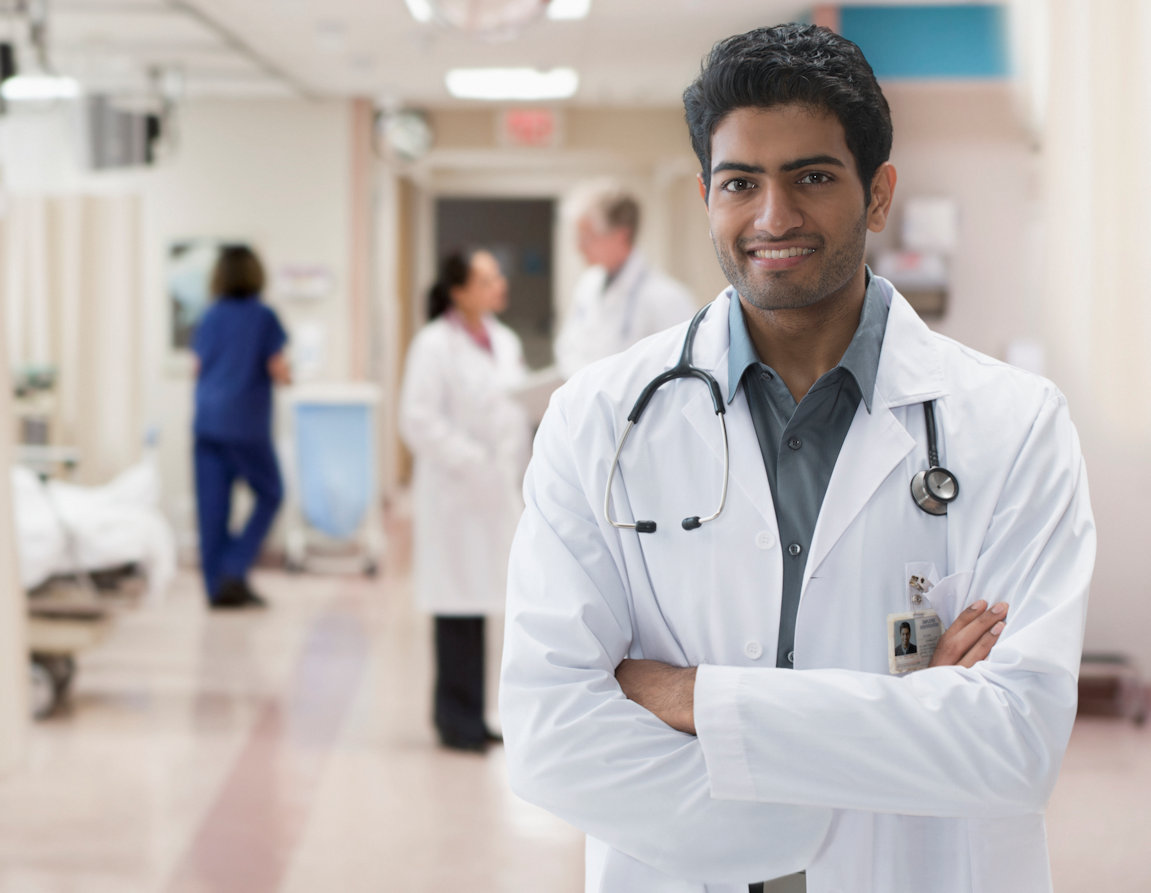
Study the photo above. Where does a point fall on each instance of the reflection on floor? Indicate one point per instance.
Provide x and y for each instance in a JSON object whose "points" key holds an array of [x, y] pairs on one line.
{"points": [[290, 751]]}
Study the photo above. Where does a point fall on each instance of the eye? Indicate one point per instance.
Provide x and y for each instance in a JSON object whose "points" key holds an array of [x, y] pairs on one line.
{"points": [[737, 184], [814, 178]]}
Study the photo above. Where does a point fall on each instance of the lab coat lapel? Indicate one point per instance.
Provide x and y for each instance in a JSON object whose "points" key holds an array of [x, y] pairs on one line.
{"points": [[909, 372], [746, 460]]}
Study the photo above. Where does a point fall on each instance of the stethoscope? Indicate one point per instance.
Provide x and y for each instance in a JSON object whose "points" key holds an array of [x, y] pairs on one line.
{"points": [[932, 489], [682, 369]]}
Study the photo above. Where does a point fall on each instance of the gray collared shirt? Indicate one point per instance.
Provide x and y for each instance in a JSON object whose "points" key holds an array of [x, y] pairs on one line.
{"points": [[800, 442]]}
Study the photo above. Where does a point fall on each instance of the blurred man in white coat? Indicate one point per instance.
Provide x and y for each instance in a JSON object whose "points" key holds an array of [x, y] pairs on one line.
{"points": [[620, 298], [716, 700]]}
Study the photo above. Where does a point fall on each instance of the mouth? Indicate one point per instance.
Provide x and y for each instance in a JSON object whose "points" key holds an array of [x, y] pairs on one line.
{"points": [[780, 253]]}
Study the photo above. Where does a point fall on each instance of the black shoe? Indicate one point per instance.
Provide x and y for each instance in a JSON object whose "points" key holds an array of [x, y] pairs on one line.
{"points": [[234, 593], [231, 593], [253, 599]]}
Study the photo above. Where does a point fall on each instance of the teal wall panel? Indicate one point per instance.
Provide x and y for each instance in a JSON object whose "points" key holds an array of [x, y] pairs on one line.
{"points": [[930, 42]]}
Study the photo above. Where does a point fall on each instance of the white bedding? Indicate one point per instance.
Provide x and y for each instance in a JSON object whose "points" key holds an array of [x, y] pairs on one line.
{"points": [[60, 525]]}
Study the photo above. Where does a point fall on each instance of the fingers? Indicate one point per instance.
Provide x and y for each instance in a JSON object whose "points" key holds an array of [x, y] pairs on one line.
{"points": [[971, 637], [982, 646]]}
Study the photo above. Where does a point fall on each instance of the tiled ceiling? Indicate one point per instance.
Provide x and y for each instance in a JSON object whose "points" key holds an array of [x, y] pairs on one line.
{"points": [[627, 52]]}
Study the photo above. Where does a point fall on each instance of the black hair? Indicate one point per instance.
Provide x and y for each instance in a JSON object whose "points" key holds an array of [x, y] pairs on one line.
{"points": [[905, 626], [238, 273], [455, 269], [791, 64]]}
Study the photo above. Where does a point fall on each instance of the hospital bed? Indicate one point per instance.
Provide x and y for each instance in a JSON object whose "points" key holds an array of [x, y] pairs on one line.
{"points": [[74, 543], [332, 500]]}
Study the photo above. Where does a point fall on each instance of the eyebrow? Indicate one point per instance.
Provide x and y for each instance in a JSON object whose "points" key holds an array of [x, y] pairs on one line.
{"points": [[788, 167]]}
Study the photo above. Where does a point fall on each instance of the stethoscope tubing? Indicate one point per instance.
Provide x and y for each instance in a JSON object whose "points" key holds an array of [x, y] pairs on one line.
{"points": [[682, 369], [933, 489]]}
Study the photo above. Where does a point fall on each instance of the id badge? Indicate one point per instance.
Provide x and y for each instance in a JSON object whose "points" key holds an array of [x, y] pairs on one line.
{"points": [[913, 635]]}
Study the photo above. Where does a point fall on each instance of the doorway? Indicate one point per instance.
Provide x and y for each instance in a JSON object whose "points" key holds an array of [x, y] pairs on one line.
{"points": [[519, 232]]}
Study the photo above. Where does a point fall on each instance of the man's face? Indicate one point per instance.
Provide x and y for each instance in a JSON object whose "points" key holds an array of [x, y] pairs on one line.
{"points": [[788, 213], [602, 247], [905, 636]]}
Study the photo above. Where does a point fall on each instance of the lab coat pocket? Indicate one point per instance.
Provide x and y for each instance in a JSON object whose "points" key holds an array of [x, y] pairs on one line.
{"points": [[949, 596]]}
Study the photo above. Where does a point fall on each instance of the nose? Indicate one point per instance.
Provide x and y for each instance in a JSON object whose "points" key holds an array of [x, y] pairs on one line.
{"points": [[778, 213]]}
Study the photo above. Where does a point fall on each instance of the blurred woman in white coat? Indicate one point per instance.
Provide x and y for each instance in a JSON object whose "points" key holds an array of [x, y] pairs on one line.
{"points": [[470, 440]]}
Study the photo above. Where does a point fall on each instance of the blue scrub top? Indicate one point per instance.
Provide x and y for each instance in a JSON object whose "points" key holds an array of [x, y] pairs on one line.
{"points": [[234, 341]]}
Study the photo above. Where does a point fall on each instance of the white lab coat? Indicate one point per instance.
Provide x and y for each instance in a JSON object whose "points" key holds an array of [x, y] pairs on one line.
{"points": [[640, 301], [469, 439], [871, 782]]}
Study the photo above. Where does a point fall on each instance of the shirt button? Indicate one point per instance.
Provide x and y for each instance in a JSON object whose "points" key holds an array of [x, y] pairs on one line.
{"points": [[794, 549], [753, 650], [764, 540], [795, 443], [791, 658]]}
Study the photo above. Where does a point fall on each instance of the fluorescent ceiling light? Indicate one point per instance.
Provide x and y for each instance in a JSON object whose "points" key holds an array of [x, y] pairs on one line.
{"points": [[39, 87], [566, 9], [512, 83], [421, 10]]}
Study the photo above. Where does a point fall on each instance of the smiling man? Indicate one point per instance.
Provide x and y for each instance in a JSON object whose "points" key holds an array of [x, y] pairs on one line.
{"points": [[719, 702]]}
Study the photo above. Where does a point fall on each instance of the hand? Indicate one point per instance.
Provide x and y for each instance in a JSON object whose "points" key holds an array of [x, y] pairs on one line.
{"points": [[666, 691], [970, 638]]}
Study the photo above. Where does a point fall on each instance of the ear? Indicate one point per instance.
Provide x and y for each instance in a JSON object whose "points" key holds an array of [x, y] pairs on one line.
{"points": [[702, 188], [882, 192]]}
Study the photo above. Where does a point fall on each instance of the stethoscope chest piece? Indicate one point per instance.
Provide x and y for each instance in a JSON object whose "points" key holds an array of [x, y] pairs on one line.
{"points": [[933, 489]]}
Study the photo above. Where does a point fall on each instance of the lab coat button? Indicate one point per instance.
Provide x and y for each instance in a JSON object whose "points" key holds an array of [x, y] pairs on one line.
{"points": [[794, 549], [753, 650], [764, 540]]}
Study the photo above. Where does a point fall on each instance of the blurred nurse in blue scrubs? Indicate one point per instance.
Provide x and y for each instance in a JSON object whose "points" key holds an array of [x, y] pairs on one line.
{"points": [[239, 345]]}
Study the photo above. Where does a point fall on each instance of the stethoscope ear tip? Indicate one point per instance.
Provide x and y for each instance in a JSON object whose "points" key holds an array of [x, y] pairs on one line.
{"points": [[691, 523]]}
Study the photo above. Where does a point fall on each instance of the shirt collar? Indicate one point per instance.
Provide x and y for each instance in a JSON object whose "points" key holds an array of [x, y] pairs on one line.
{"points": [[860, 360]]}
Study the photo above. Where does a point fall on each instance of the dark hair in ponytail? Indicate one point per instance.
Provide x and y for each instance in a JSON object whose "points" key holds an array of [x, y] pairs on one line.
{"points": [[455, 269], [238, 273]]}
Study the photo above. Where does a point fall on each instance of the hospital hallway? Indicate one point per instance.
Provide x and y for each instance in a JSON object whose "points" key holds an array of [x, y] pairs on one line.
{"points": [[291, 750]]}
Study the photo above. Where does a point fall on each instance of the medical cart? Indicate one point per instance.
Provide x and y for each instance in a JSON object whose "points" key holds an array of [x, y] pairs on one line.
{"points": [[332, 496]]}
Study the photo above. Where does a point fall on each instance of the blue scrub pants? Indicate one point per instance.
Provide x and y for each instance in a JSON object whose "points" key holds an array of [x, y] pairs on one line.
{"points": [[218, 466]]}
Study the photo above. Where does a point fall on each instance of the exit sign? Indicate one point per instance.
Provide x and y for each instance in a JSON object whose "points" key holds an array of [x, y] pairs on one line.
{"points": [[534, 128]]}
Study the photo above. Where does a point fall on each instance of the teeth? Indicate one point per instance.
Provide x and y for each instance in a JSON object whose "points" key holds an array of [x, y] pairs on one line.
{"points": [[774, 254]]}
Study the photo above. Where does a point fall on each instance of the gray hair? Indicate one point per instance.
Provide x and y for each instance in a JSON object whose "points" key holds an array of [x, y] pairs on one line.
{"points": [[608, 206]]}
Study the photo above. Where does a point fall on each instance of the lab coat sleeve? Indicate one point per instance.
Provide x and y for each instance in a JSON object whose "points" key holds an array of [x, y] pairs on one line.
{"points": [[569, 352], [945, 741], [671, 306], [426, 420], [575, 745]]}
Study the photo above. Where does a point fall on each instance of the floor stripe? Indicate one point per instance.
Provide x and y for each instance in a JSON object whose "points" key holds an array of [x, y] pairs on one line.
{"points": [[247, 838]]}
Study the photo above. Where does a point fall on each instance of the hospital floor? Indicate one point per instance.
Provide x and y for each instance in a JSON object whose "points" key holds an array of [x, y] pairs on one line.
{"points": [[290, 750]]}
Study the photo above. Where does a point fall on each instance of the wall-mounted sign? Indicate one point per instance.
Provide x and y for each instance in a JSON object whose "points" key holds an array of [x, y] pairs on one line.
{"points": [[536, 128], [305, 282]]}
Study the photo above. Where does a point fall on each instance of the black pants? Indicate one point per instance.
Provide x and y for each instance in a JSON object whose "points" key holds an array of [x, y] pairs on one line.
{"points": [[459, 692]]}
